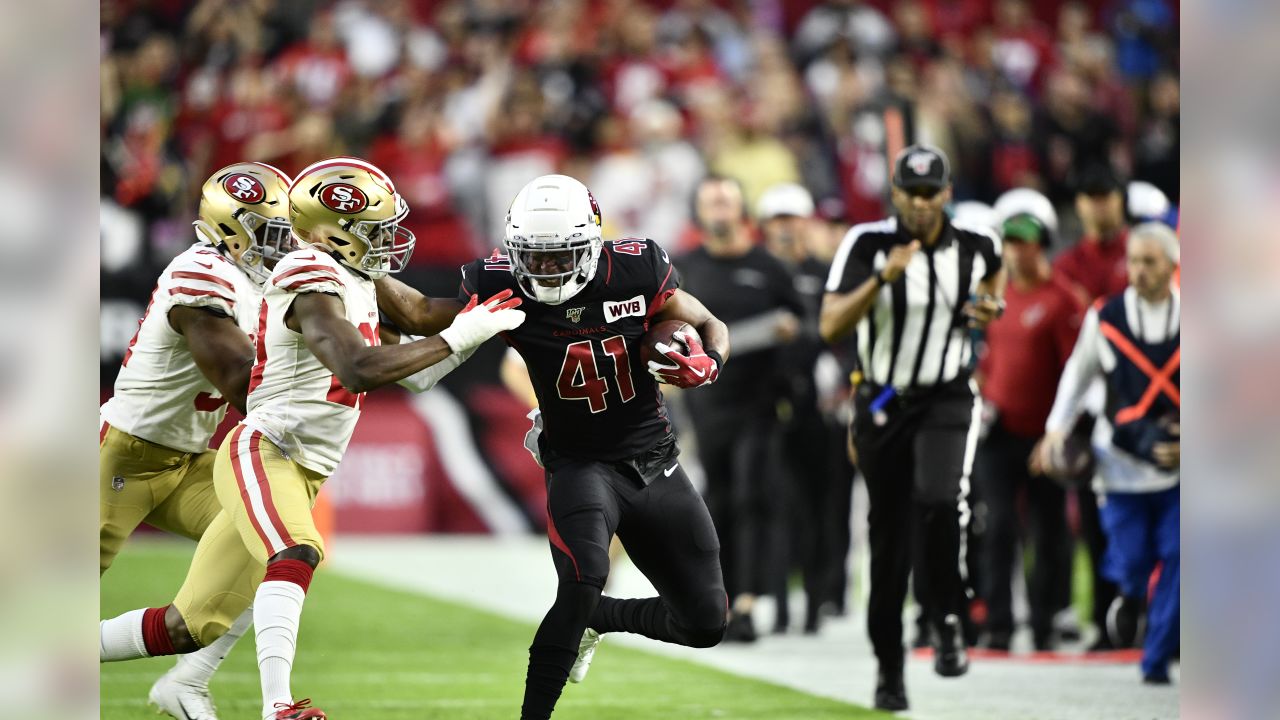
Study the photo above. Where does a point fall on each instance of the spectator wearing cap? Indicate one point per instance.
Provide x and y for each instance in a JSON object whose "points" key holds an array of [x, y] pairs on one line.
{"points": [[812, 438], [1026, 350], [912, 285], [1133, 340], [1096, 263]]}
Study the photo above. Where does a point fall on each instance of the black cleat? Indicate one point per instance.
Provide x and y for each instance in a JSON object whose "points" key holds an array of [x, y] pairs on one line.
{"points": [[1101, 644], [740, 629], [1125, 621], [1156, 679], [950, 657], [999, 640], [891, 691]]}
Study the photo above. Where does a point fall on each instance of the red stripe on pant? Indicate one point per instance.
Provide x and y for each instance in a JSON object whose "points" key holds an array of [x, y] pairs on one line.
{"points": [[102, 432], [255, 454], [558, 542], [234, 439]]}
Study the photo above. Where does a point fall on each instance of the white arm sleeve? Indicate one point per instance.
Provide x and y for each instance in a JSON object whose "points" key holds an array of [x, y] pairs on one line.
{"points": [[424, 380], [1082, 367]]}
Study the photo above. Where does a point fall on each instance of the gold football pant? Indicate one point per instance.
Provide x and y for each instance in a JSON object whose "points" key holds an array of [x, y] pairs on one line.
{"points": [[266, 501], [140, 481]]}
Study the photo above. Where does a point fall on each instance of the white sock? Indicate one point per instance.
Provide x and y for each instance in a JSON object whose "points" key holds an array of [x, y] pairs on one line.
{"points": [[277, 608], [197, 668], [120, 638]]}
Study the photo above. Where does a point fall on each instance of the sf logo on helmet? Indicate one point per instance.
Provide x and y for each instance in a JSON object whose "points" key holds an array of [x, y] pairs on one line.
{"points": [[344, 198], [245, 188]]}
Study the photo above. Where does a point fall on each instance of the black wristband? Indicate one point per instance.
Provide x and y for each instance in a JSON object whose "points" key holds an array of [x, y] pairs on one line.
{"points": [[715, 356], [881, 280]]}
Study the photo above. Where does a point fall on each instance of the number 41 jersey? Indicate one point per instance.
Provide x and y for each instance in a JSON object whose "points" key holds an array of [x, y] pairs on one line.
{"points": [[597, 398]]}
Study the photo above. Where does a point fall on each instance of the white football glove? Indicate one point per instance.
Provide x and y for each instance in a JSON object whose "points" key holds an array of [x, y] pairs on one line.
{"points": [[479, 322]]}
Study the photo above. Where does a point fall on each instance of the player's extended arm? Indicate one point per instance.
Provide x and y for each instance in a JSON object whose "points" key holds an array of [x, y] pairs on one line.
{"points": [[683, 306], [219, 347], [413, 312], [339, 346]]}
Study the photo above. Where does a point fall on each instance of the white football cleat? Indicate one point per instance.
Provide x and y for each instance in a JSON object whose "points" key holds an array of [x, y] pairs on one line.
{"points": [[586, 650], [181, 700]]}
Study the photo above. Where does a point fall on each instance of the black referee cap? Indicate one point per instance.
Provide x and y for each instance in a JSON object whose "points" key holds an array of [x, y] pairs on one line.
{"points": [[921, 166]]}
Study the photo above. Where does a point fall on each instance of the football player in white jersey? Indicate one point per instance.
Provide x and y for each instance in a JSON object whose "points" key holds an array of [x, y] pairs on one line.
{"points": [[317, 354], [189, 359]]}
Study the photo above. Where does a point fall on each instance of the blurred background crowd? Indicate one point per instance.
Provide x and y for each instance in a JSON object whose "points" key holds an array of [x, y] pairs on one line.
{"points": [[463, 102]]}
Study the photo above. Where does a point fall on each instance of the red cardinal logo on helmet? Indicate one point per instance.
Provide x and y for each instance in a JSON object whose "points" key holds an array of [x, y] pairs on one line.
{"points": [[344, 198], [595, 209], [245, 188]]}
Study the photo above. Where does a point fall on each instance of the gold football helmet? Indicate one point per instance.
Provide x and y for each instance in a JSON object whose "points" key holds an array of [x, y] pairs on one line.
{"points": [[352, 208], [244, 209]]}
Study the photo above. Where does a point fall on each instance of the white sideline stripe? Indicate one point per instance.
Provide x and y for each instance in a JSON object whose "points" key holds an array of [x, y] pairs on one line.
{"points": [[256, 504], [461, 459]]}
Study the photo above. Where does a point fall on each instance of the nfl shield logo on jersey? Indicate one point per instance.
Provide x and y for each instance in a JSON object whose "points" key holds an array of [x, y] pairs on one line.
{"points": [[574, 314], [117, 483]]}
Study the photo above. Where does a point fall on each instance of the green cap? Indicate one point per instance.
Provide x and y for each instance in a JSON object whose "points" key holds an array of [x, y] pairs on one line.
{"points": [[1023, 227]]}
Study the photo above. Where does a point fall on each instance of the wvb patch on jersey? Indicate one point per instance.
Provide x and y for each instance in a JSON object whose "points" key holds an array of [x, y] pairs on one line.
{"points": [[624, 308]]}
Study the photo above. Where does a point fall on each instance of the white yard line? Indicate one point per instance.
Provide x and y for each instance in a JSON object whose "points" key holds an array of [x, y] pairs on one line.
{"points": [[513, 577]]}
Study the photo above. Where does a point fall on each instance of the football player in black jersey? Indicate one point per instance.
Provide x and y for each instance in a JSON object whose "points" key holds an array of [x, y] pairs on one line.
{"points": [[606, 442]]}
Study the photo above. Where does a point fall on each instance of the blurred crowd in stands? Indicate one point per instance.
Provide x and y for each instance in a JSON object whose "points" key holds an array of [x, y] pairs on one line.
{"points": [[461, 102]]}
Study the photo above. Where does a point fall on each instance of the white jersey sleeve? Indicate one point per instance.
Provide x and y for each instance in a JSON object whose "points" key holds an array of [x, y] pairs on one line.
{"points": [[293, 398], [160, 394]]}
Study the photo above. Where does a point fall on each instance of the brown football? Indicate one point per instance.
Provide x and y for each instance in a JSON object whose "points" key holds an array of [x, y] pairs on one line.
{"points": [[661, 333]]}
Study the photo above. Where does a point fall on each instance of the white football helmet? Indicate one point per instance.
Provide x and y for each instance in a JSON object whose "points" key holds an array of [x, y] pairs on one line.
{"points": [[972, 212], [1025, 201], [1144, 201], [553, 238]]}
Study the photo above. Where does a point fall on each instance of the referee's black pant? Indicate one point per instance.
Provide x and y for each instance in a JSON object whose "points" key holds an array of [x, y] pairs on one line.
{"points": [[916, 457]]}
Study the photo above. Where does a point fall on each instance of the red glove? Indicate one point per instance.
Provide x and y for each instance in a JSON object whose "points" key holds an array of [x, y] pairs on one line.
{"points": [[686, 371]]}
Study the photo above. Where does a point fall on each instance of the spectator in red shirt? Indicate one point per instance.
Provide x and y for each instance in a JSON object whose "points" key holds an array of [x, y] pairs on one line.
{"points": [[317, 68], [1027, 348], [1096, 264]]}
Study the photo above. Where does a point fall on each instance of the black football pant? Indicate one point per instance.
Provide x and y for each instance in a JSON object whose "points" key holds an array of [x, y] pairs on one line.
{"points": [[745, 496], [667, 532], [813, 533], [1001, 475], [916, 461]]}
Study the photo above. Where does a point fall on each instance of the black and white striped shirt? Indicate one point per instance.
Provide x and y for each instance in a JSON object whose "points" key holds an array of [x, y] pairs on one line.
{"points": [[915, 334]]}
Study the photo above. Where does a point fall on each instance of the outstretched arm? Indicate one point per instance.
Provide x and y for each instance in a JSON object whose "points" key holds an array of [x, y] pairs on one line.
{"points": [[413, 312], [339, 346]]}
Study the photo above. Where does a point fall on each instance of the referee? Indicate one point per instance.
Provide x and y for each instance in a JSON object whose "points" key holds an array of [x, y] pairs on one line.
{"points": [[912, 285]]}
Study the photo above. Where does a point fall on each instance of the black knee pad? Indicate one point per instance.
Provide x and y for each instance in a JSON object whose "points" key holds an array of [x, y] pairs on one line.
{"points": [[705, 623], [704, 638]]}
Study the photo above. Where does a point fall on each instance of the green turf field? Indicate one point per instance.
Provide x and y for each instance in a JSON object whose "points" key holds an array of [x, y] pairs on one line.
{"points": [[369, 652]]}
